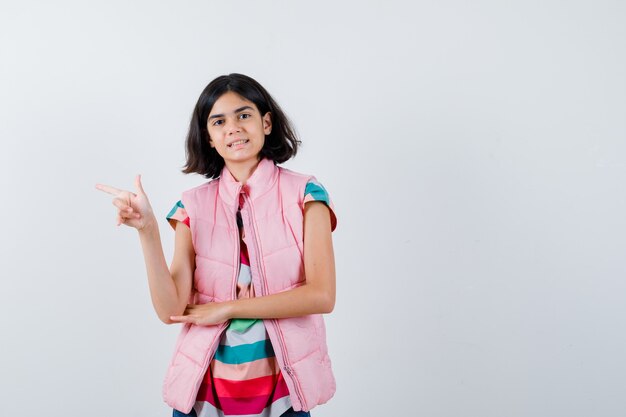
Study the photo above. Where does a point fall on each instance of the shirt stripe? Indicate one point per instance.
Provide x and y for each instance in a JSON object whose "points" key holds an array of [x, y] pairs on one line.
{"points": [[244, 353], [248, 370]]}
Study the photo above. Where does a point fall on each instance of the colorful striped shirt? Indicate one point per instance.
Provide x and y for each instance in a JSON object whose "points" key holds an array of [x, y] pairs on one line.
{"points": [[244, 378]]}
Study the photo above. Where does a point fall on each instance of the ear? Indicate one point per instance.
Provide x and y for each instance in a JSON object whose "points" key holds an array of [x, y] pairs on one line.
{"points": [[211, 144], [267, 123]]}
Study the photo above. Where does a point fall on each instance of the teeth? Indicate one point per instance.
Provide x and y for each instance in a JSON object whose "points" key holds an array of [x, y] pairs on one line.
{"points": [[239, 142]]}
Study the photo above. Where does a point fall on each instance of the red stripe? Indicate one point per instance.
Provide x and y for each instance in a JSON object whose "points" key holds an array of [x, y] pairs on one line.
{"points": [[244, 254], [253, 405], [243, 405], [281, 389], [205, 393], [247, 388]]}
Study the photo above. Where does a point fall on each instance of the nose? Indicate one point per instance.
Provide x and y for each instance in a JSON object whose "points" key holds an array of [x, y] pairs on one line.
{"points": [[232, 125]]}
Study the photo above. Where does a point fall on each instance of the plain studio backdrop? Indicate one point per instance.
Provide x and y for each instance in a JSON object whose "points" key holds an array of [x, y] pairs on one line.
{"points": [[475, 152]]}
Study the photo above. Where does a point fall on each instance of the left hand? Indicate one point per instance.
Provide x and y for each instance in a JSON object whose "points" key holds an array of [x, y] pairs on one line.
{"points": [[209, 314]]}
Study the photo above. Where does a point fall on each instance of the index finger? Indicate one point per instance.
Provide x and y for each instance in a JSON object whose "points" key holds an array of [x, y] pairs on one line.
{"points": [[182, 319], [108, 189]]}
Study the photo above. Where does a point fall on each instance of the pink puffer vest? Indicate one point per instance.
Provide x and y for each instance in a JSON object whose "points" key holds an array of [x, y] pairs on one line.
{"points": [[273, 223]]}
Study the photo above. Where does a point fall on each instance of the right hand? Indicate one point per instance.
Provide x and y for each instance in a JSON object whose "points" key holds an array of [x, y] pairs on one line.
{"points": [[134, 210]]}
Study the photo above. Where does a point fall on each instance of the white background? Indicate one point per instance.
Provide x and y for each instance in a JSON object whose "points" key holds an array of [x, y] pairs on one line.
{"points": [[475, 152]]}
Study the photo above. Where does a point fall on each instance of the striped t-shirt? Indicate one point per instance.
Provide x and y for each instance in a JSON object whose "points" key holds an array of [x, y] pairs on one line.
{"points": [[244, 378]]}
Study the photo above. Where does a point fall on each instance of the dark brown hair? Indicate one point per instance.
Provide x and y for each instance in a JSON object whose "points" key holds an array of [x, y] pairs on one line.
{"points": [[280, 145]]}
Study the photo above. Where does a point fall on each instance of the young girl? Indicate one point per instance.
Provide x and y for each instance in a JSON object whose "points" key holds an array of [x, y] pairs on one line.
{"points": [[253, 267]]}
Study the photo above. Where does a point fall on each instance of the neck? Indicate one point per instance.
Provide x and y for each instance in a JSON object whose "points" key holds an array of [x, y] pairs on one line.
{"points": [[242, 171]]}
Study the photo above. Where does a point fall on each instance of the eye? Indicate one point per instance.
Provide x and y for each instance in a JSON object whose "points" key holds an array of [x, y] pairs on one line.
{"points": [[245, 115], [217, 122]]}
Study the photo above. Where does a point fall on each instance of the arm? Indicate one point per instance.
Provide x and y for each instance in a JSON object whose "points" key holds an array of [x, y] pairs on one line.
{"points": [[169, 289], [316, 296]]}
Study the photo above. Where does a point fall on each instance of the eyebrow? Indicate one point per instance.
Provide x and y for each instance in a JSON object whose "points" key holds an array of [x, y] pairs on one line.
{"points": [[236, 111]]}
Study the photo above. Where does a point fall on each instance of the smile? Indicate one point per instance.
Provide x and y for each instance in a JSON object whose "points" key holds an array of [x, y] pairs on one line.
{"points": [[239, 142]]}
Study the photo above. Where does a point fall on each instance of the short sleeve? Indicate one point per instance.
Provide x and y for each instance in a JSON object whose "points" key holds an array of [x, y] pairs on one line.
{"points": [[314, 191], [178, 213]]}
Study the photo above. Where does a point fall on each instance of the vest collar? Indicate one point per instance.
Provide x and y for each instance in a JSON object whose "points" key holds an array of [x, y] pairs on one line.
{"points": [[261, 180]]}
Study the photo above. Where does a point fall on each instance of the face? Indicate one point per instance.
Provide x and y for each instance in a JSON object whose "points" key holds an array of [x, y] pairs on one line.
{"points": [[237, 129]]}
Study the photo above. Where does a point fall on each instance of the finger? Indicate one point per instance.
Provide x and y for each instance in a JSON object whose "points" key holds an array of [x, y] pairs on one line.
{"points": [[122, 205], [138, 185], [108, 189], [123, 217], [126, 215], [182, 319]]}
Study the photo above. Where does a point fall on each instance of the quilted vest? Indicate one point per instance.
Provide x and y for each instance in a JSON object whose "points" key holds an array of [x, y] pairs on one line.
{"points": [[272, 216]]}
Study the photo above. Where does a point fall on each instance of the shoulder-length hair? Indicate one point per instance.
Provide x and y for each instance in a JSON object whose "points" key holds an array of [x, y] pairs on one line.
{"points": [[280, 145]]}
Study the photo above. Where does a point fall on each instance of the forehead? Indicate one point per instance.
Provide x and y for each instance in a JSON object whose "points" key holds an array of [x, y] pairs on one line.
{"points": [[229, 102]]}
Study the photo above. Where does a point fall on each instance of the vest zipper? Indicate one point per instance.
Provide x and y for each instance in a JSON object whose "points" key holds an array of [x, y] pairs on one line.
{"points": [[288, 368], [223, 326], [239, 223], [274, 322]]}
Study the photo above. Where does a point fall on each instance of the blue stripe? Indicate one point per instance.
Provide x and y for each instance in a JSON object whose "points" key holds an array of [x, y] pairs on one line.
{"points": [[178, 205], [235, 355], [317, 191]]}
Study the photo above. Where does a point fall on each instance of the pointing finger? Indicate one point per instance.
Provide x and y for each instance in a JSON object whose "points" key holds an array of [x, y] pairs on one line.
{"points": [[108, 189]]}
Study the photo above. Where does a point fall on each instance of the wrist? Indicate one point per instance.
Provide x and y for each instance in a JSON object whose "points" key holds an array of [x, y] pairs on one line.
{"points": [[230, 309], [150, 226]]}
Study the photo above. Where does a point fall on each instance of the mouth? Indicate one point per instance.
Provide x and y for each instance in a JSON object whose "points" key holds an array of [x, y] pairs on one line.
{"points": [[238, 142]]}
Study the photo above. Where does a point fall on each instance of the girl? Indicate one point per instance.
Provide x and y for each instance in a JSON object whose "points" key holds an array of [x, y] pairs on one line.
{"points": [[253, 267]]}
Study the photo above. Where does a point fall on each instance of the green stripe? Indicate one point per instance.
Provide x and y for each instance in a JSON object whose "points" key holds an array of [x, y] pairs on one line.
{"points": [[235, 355], [241, 325]]}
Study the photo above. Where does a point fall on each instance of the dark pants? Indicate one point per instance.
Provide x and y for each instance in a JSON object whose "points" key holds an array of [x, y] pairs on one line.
{"points": [[288, 413]]}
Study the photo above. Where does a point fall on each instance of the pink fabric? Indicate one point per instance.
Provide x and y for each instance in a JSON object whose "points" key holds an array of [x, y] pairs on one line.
{"points": [[273, 219]]}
